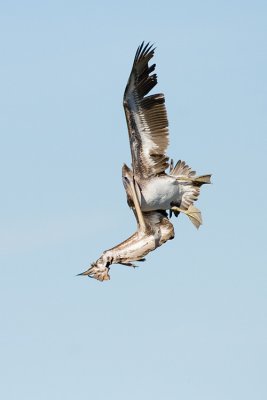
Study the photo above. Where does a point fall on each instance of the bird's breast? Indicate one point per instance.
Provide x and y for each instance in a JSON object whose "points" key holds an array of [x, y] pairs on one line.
{"points": [[158, 193]]}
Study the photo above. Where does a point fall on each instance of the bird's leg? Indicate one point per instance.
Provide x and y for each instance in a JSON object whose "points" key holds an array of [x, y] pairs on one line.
{"points": [[193, 214]]}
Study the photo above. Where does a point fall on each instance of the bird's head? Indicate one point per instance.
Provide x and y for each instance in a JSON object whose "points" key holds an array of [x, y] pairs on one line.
{"points": [[99, 269]]}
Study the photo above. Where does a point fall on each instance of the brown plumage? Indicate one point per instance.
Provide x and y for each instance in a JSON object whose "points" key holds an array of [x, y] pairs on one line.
{"points": [[150, 190]]}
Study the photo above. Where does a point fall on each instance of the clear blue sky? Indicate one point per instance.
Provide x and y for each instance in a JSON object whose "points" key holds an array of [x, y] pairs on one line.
{"points": [[191, 322]]}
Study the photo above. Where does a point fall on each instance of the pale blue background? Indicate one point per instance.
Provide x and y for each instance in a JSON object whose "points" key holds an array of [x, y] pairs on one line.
{"points": [[191, 322]]}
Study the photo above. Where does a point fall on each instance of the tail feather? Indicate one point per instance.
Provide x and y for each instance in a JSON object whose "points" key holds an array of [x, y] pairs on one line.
{"points": [[190, 185], [201, 180], [183, 172]]}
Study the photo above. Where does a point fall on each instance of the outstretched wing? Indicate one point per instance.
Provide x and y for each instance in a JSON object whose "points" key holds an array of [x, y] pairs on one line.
{"points": [[146, 117]]}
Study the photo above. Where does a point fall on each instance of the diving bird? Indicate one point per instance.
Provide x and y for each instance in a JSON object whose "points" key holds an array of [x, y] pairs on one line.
{"points": [[147, 123], [150, 190]]}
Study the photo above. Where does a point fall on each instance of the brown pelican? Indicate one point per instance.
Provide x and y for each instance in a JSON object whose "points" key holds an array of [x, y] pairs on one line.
{"points": [[150, 190], [147, 123], [153, 229]]}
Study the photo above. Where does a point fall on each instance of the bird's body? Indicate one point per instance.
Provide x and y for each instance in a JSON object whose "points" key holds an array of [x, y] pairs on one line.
{"points": [[150, 189]]}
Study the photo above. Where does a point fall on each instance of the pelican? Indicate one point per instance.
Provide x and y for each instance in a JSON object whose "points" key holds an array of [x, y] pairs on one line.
{"points": [[147, 123], [150, 190]]}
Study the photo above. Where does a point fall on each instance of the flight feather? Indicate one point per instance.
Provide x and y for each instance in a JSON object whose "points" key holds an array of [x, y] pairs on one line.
{"points": [[146, 117]]}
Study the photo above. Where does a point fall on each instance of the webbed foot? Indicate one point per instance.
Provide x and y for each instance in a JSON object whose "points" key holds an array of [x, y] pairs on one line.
{"points": [[193, 213]]}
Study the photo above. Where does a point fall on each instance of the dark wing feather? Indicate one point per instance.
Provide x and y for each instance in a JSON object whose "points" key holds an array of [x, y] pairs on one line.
{"points": [[146, 117]]}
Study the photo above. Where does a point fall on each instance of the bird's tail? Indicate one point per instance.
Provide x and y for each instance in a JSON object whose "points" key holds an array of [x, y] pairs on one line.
{"points": [[182, 172], [190, 185]]}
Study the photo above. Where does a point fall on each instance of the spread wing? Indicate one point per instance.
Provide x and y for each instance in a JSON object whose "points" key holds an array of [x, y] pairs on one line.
{"points": [[146, 117]]}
